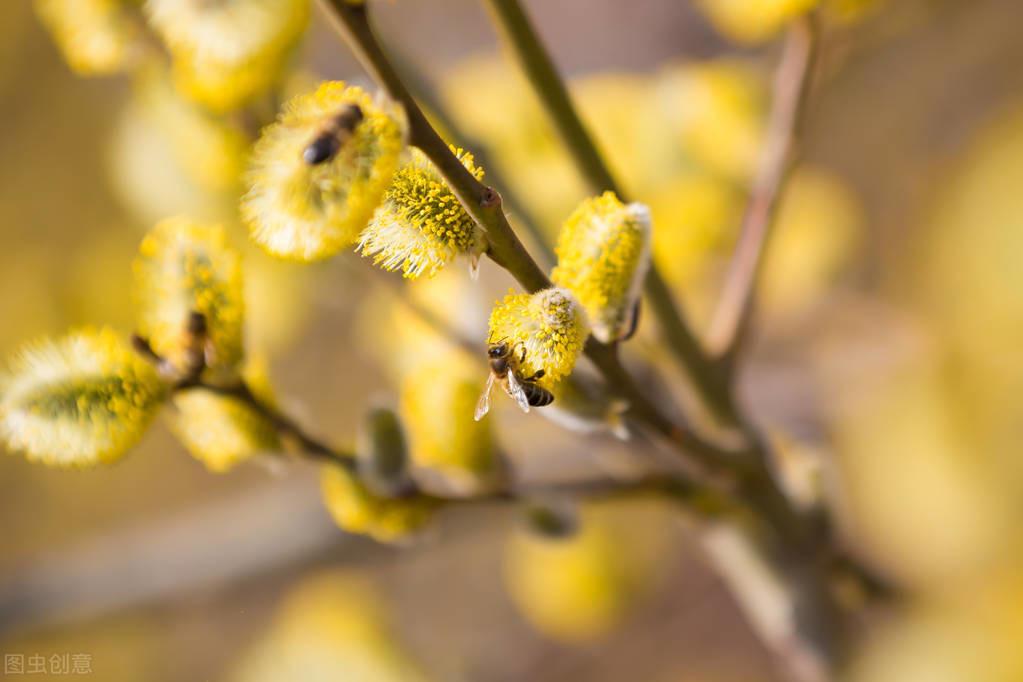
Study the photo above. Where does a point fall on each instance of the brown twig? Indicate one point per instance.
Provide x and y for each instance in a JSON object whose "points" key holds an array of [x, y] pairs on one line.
{"points": [[792, 82]]}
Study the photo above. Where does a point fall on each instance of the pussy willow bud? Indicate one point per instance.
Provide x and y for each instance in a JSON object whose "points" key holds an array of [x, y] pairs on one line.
{"points": [[224, 53], [383, 452], [308, 211], [357, 509], [437, 401], [603, 257], [96, 37], [82, 400], [184, 268], [421, 226], [549, 328]]}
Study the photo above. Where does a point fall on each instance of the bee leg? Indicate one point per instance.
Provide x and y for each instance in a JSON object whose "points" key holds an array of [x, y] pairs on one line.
{"points": [[536, 376]]}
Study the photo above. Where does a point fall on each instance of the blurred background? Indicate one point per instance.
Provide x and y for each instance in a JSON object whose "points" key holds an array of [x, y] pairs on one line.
{"points": [[886, 364]]}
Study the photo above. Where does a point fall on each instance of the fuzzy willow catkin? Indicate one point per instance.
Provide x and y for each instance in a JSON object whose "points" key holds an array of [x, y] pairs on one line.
{"points": [[603, 257], [81, 400], [421, 226], [309, 211]]}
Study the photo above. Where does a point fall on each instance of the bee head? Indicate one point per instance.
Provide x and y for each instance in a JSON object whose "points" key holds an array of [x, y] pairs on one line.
{"points": [[497, 350]]}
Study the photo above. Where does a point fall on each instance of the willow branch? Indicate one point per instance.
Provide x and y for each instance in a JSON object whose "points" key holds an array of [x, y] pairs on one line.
{"points": [[792, 82], [550, 88], [484, 204]]}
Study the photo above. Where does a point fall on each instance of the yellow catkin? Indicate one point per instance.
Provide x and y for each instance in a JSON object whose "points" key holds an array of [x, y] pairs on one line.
{"points": [[82, 400], [227, 52], [603, 257], [183, 266], [437, 402], [220, 431], [96, 37], [550, 326], [309, 212], [356, 509], [421, 226]]}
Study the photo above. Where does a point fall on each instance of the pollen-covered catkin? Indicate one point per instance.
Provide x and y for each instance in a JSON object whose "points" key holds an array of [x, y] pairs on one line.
{"points": [[546, 330], [603, 257], [421, 226], [184, 267], [82, 400], [309, 211]]}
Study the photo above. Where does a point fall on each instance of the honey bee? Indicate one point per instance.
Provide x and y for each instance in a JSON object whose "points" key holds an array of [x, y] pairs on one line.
{"points": [[504, 368], [332, 135]]}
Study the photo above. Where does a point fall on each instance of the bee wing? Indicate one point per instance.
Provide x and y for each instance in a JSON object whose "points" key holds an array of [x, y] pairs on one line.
{"points": [[516, 391], [483, 404]]}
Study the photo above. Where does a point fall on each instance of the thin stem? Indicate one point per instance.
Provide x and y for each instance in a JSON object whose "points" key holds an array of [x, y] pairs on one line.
{"points": [[483, 203], [732, 318], [550, 88]]}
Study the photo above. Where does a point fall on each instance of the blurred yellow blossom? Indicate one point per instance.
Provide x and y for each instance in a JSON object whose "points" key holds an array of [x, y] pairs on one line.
{"points": [[184, 267], [437, 402], [715, 113], [309, 211], [221, 430], [357, 509], [603, 257], [82, 400], [331, 627], [421, 226], [97, 37], [225, 53], [753, 21], [579, 587]]}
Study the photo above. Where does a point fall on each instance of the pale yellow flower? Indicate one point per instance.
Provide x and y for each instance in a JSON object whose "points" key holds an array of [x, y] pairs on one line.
{"points": [[82, 400], [310, 211]]}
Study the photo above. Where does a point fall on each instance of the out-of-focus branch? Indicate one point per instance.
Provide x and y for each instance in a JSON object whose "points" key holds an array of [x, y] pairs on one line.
{"points": [[792, 82]]}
